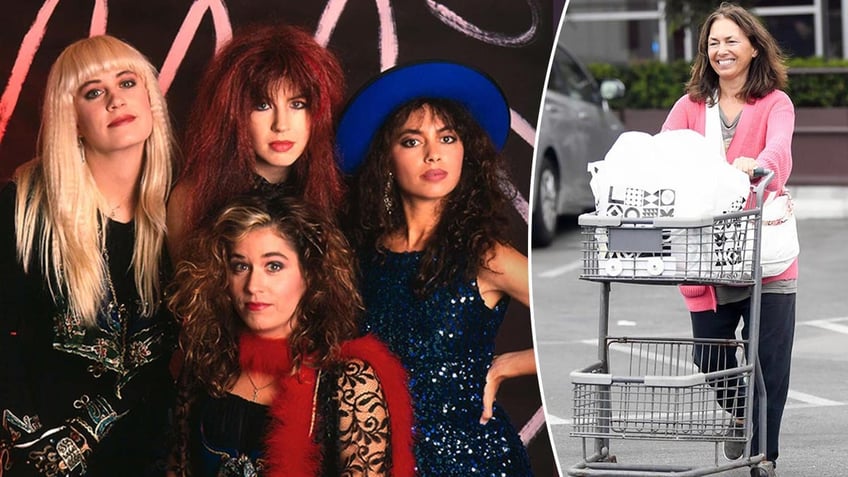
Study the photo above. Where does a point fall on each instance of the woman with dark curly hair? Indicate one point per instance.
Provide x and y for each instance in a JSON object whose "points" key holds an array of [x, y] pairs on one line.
{"points": [[429, 223], [273, 381], [263, 119]]}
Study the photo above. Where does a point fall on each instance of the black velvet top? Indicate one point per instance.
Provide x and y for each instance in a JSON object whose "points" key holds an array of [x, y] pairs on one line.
{"points": [[112, 378]]}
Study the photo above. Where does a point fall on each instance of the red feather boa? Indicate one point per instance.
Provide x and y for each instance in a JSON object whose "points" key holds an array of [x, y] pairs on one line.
{"points": [[291, 450]]}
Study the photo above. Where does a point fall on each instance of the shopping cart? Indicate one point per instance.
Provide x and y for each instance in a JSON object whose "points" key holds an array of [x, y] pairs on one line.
{"points": [[652, 388]]}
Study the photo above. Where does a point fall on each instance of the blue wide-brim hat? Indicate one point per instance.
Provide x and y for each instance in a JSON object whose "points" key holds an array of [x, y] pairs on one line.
{"points": [[372, 105]]}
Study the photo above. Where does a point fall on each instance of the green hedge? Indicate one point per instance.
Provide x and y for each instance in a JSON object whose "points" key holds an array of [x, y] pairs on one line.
{"points": [[813, 82]]}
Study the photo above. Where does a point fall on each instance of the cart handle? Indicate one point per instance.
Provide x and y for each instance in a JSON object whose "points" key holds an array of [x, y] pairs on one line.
{"points": [[767, 175]]}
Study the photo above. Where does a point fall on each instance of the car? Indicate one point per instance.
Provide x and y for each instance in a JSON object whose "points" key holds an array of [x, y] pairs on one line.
{"points": [[577, 127]]}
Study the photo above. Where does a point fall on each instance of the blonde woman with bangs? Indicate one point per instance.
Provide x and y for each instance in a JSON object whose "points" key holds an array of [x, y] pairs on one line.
{"points": [[84, 341]]}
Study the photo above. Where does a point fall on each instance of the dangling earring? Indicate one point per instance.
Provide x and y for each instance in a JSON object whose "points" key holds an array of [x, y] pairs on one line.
{"points": [[81, 148], [387, 195]]}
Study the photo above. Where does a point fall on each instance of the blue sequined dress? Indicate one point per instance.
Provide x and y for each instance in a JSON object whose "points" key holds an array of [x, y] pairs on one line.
{"points": [[446, 343]]}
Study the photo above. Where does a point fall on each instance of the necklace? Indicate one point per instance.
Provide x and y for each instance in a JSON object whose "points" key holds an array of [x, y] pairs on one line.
{"points": [[256, 388], [113, 211], [117, 312]]}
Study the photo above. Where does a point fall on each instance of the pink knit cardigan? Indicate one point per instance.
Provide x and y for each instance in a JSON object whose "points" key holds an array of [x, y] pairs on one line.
{"points": [[764, 133]]}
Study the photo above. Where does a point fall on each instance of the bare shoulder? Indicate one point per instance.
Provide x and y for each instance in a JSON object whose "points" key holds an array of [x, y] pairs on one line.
{"points": [[505, 273], [178, 198], [504, 258], [176, 220]]}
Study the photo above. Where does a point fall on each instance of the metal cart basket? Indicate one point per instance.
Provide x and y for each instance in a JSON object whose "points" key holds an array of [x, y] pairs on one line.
{"points": [[662, 388]]}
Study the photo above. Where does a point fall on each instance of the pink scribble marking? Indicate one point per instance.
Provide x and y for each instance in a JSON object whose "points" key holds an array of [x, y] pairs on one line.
{"points": [[99, 15], [532, 427], [388, 47], [329, 19], [388, 35], [223, 33], [29, 46]]}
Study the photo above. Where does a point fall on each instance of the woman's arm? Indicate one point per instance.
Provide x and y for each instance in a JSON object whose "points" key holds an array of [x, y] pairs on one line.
{"points": [[507, 274], [777, 153], [684, 115], [364, 431], [505, 366]]}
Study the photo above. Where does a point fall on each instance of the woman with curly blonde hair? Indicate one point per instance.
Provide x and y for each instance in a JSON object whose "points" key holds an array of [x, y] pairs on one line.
{"points": [[274, 380], [82, 337]]}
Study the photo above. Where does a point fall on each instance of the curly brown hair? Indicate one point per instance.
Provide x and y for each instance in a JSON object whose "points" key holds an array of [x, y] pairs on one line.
{"points": [[326, 315], [327, 312], [767, 71], [472, 218]]}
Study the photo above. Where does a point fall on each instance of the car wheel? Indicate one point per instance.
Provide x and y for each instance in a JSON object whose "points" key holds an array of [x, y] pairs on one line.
{"points": [[545, 209]]}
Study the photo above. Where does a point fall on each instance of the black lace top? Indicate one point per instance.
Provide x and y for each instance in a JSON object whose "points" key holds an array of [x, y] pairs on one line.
{"points": [[351, 426]]}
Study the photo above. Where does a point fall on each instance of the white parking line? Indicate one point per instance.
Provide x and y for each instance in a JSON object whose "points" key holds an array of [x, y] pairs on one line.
{"points": [[806, 401], [809, 400], [828, 324], [562, 270], [798, 399], [558, 421]]}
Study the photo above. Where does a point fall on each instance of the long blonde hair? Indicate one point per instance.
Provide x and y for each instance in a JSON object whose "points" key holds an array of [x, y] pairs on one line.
{"points": [[58, 205]]}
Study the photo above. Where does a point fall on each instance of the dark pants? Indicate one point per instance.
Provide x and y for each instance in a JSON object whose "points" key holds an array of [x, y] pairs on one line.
{"points": [[777, 331]]}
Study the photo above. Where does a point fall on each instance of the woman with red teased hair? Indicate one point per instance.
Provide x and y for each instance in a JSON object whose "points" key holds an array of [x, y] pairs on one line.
{"points": [[262, 119]]}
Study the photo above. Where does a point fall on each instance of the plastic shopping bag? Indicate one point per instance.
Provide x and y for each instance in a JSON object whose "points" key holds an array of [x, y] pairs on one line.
{"points": [[671, 174]]}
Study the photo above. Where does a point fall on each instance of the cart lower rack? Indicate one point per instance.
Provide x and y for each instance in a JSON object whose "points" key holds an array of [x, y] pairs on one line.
{"points": [[656, 392]]}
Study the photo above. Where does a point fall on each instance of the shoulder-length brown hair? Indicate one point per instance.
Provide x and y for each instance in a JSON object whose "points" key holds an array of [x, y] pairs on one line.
{"points": [[325, 316], [472, 217], [766, 73], [220, 159]]}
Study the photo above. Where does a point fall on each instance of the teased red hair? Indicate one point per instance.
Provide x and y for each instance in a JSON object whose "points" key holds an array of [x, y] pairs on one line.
{"points": [[220, 159]]}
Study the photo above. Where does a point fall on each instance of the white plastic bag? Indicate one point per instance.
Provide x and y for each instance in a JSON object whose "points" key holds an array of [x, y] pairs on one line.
{"points": [[670, 174]]}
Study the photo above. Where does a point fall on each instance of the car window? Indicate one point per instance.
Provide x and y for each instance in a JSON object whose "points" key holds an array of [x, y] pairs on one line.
{"points": [[569, 79]]}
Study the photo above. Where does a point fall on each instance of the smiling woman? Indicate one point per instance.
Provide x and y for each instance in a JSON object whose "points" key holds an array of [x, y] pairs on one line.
{"points": [[86, 387], [740, 73]]}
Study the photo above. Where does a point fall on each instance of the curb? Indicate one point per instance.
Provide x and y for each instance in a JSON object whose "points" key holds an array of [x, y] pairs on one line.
{"points": [[820, 202]]}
